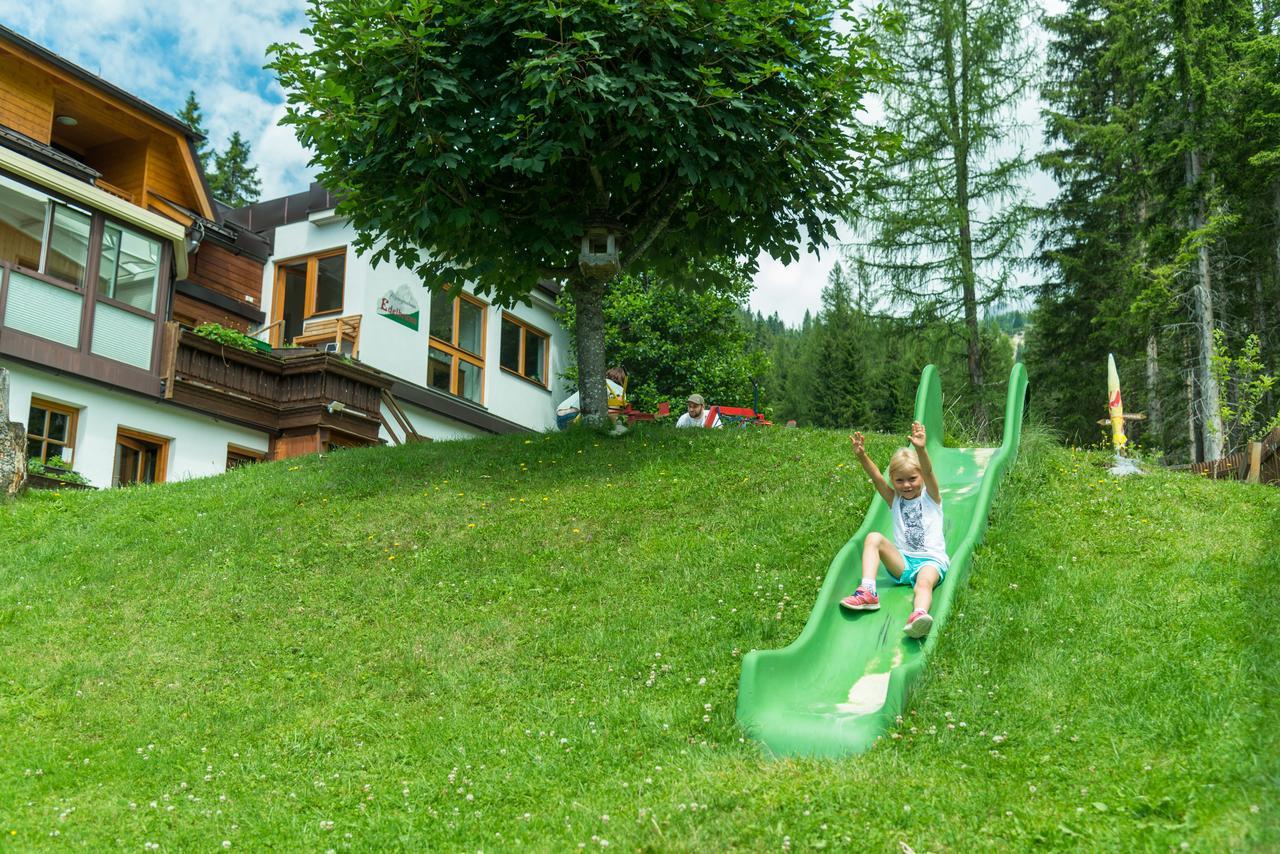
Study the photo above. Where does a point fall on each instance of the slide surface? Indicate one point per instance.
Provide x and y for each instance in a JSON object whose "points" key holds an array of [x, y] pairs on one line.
{"points": [[842, 682]]}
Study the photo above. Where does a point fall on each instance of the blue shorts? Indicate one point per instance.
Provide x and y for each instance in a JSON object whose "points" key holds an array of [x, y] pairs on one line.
{"points": [[915, 564]]}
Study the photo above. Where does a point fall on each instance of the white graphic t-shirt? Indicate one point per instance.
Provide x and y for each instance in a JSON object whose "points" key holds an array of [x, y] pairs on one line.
{"points": [[917, 528]]}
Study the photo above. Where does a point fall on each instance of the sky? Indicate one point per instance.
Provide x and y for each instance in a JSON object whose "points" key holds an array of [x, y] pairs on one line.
{"points": [[159, 50]]}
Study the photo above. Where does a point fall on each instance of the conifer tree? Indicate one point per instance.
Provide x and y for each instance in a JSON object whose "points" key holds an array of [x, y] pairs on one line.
{"points": [[194, 119], [949, 218], [233, 181]]}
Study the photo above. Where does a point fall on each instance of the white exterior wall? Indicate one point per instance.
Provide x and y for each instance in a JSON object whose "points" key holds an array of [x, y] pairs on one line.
{"points": [[433, 424], [402, 352], [197, 443]]}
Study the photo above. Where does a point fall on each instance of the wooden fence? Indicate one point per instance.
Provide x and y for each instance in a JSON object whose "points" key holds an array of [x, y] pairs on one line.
{"points": [[1259, 463]]}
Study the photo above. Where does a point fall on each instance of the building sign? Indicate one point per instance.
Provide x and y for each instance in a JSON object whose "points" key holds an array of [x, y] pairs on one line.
{"points": [[401, 306]]}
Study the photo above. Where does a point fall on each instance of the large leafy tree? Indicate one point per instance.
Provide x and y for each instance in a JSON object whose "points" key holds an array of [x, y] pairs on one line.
{"points": [[478, 141], [674, 340]]}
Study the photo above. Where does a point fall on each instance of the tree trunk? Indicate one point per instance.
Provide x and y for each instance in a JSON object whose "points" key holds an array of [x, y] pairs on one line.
{"points": [[1155, 420], [593, 395], [1193, 432], [1261, 302], [958, 116], [1202, 299]]}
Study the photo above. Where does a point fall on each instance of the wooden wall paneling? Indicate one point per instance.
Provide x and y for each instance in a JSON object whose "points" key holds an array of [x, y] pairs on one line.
{"points": [[236, 276], [26, 99], [167, 173], [193, 312], [122, 163]]}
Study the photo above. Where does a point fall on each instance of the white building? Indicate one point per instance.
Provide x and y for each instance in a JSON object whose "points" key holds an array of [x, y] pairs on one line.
{"points": [[112, 251], [461, 366]]}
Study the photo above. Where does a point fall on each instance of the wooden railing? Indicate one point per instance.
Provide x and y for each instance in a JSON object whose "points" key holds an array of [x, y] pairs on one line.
{"points": [[114, 190], [276, 391], [1258, 463]]}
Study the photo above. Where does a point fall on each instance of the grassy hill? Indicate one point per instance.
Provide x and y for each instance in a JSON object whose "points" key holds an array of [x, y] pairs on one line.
{"points": [[535, 641]]}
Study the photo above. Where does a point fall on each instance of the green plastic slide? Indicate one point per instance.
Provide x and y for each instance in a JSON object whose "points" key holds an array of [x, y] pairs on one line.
{"points": [[836, 689]]}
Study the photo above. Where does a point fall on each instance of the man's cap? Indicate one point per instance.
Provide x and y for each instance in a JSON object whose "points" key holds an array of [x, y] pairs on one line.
{"points": [[696, 398]]}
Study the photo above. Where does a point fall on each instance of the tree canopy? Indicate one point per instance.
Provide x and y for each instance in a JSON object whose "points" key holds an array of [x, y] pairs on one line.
{"points": [[478, 141]]}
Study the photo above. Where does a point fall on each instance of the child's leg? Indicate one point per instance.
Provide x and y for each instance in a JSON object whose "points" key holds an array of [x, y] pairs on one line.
{"points": [[926, 579], [876, 550]]}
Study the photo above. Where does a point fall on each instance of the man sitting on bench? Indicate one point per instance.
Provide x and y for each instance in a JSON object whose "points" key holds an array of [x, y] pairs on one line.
{"points": [[698, 414]]}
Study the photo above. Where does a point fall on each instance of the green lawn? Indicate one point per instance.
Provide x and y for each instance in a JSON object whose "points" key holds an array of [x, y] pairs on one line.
{"points": [[535, 642]]}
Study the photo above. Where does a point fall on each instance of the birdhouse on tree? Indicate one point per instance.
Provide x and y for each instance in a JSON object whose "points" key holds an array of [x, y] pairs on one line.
{"points": [[599, 257]]}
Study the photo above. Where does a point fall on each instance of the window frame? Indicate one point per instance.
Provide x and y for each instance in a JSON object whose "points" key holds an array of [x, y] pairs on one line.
{"points": [[456, 352], [52, 202], [525, 329], [312, 260], [50, 407], [137, 436], [97, 241], [243, 456]]}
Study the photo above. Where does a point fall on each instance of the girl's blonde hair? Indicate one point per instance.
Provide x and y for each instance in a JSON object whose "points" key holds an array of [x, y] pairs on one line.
{"points": [[903, 459]]}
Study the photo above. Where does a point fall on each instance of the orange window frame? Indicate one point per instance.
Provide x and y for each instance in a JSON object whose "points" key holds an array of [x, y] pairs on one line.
{"points": [[457, 353], [525, 330], [134, 439], [49, 408], [309, 300], [238, 455]]}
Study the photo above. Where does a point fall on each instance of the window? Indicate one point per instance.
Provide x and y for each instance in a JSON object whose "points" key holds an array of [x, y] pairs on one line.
{"points": [[238, 456], [524, 350], [455, 359], [306, 287], [43, 235], [140, 458], [51, 432], [129, 267]]}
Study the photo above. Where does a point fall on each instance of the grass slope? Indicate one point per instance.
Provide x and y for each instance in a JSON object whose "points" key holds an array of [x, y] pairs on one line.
{"points": [[535, 642]]}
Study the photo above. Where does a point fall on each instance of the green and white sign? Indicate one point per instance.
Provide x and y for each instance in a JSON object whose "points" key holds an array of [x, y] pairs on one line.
{"points": [[401, 306]]}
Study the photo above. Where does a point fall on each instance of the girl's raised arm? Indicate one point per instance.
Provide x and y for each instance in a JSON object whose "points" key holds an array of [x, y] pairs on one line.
{"points": [[877, 480], [926, 464]]}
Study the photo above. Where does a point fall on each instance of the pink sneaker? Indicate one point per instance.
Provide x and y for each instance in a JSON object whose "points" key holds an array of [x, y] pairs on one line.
{"points": [[861, 600], [918, 624]]}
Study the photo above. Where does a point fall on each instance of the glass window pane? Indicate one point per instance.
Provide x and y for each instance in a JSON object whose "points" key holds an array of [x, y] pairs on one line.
{"points": [[294, 299], [150, 458], [58, 423], [469, 377], [470, 323], [22, 221], [126, 464], [130, 268], [442, 317], [35, 421], [509, 349], [35, 450], [439, 365], [109, 261], [68, 245], [534, 356], [329, 276]]}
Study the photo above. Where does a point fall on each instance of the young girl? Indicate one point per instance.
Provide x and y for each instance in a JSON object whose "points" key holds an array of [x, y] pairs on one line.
{"points": [[920, 559]]}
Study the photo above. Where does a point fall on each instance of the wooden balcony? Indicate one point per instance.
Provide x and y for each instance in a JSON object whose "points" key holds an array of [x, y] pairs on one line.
{"points": [[299, 395]]}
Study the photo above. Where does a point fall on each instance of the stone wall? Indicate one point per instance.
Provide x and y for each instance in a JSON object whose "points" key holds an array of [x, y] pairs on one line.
{"points": [[13, 445]]}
